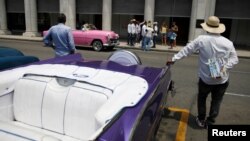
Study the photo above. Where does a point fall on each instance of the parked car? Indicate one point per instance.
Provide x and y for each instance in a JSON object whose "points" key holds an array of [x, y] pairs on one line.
{"points": [[97, 39], [10, 58], [74, 99]]}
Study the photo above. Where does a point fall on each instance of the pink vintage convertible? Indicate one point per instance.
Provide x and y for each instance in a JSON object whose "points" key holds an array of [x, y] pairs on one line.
{"points": [[97, 39]]}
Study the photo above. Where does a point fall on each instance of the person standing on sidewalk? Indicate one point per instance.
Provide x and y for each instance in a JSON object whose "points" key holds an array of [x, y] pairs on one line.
{"points": [[143, 33], [172, 36], [61, 36], [175, 29], [138, 32], [155, 33], [129, 29], [211, 46], [164, 30], [133, 33], [148, 38]]}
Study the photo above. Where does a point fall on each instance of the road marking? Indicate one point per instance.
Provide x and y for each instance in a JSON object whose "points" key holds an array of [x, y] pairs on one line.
{"points": [[182, 128], [242, 95], [243, 72]]}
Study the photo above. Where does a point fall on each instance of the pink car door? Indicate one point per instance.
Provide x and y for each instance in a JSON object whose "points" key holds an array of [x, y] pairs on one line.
{"points": [[79, 37]]}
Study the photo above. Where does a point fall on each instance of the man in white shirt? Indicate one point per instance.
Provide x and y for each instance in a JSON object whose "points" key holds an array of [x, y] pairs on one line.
{"points": [[137, 32], [133, 32], [155, 34], [129, 32], [211, 46], [143, 33]]}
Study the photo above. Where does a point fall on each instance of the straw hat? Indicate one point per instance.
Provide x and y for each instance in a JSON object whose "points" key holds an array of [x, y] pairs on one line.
{"points": [[213, 25], [133, 20]]}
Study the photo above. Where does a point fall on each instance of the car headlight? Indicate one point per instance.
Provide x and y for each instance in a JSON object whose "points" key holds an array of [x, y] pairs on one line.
{"points": [[108, 37]]}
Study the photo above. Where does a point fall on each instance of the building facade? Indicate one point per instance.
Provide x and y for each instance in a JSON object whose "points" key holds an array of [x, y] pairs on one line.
{"points": [[31, 17]]}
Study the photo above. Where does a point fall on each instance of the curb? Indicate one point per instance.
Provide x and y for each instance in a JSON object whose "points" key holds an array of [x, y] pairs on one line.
{"points": [[152, 49], [10, 37]]}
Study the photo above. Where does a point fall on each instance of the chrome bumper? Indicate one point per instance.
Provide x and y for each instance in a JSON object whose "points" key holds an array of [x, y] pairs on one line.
{"points": [[112, 43]]}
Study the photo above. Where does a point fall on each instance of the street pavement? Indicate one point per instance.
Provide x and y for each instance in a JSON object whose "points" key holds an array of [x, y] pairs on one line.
{"points": [[243, 53], [178, 123]]}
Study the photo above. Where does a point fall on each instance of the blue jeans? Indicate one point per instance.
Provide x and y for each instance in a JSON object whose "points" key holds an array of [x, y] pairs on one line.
{"points": [[217, 93], [132, 39], [154, 40], [147, 43], [143, 42], [129, 38]]}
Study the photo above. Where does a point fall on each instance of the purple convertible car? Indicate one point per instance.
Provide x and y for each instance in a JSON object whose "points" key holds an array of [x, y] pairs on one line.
{"points": [[73, 99]]}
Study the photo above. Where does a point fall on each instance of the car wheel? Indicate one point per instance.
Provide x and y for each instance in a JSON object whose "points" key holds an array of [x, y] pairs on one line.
{"points": [[97, 45]]}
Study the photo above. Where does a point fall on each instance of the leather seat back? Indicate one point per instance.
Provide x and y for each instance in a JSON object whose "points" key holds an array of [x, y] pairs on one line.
{"points": [[69, 110]]}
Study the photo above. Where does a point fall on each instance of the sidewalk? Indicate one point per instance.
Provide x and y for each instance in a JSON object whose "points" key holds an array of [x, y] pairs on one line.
{"points": [[159, 47], [241, 53]]}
